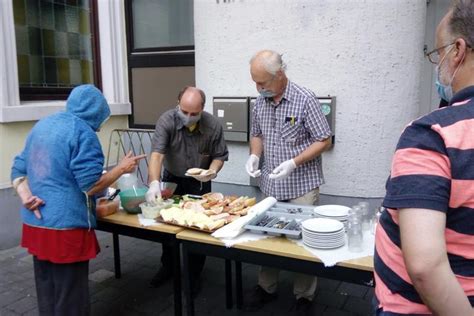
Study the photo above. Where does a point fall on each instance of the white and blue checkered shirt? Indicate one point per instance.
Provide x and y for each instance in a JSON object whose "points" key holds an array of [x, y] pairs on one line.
{"points": [[287, 129]]}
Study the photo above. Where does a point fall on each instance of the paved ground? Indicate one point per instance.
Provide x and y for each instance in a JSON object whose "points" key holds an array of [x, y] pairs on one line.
{"points": [[131, 295]]}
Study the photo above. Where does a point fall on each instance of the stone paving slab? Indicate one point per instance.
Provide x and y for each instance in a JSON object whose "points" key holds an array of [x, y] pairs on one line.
{"points": [[352, 289], [23, 305], [358, 305], [101, 275], [131, 294]]}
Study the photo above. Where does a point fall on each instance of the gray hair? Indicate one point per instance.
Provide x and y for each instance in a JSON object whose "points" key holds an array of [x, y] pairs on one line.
{"points": [[461, 23], [271, 61]]}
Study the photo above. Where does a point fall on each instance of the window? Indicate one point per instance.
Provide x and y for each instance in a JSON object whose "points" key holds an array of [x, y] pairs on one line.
{"points": [[57, 47], [160, 42], [162, 25]]}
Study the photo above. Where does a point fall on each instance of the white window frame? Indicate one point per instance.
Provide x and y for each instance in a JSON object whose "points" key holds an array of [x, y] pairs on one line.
{"points": [[113, 59]]}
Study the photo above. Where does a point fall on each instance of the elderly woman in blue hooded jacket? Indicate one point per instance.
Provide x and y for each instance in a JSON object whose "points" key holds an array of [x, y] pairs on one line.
{"points": [[59, 167]]}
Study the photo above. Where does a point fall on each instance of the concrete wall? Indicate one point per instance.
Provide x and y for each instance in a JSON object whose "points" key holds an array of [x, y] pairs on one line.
{"points": [[366, 53]]}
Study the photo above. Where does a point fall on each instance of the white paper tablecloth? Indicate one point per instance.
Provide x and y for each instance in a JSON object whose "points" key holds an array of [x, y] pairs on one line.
{"points": [[333, 256], [147, 222], [245, 237], [236, 228]]}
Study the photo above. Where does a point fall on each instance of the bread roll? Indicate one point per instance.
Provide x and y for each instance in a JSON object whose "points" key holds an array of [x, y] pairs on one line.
{"points": [[194, 171], [207, 172]]}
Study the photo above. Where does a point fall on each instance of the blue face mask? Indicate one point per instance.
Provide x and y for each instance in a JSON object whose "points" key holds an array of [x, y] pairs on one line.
{"points": [[267, 93], [445, 92]]}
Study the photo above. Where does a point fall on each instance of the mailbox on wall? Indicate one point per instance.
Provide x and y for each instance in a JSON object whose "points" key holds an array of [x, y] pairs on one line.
{"points": [[233, 114], [328, 106]]}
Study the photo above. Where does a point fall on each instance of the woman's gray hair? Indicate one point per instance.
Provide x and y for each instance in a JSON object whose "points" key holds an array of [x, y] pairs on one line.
{"points": [[271, 61], [461, 23]]}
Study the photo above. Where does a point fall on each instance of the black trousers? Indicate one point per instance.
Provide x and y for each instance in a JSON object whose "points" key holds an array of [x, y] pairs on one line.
{"points": [[186, 185], [62, 289]]}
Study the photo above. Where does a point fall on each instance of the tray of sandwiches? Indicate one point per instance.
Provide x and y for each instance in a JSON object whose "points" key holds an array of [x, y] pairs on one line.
{"points": [[208, 212]]}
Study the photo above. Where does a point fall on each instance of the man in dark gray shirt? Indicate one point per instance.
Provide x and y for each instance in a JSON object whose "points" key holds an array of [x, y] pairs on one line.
{"points": [[185, 137]]}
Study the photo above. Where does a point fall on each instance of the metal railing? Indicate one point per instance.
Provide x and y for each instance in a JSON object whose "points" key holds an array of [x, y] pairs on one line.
{"points": [[138, 141]]}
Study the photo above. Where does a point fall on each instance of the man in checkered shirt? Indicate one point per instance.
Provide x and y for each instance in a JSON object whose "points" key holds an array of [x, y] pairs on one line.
{"points": [[289, 128]]}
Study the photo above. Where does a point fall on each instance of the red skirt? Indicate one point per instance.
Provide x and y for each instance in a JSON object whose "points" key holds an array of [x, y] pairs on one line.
{"points": [[60, 246]]}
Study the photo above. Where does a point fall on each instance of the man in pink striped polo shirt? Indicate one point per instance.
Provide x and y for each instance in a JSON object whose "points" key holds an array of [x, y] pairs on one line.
{"points": [[424, 250]]}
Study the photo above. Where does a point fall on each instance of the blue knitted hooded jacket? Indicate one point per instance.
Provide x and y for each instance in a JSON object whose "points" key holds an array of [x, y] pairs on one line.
{"points": [[63, 159]]}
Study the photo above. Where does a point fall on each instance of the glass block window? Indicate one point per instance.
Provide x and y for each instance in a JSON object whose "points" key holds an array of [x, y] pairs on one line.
{"points": [[55, 46]]}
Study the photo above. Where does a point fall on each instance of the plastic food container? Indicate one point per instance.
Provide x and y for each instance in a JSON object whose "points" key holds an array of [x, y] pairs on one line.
{"points": [[153, 211], [104, 207], [127, 181], [284, 219], [131, 199], [167, 189]]}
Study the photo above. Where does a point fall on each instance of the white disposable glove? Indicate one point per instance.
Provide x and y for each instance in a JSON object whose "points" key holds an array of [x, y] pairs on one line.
{"points": [[205, 176], [154, 192], [283, 170], [251, 166]]}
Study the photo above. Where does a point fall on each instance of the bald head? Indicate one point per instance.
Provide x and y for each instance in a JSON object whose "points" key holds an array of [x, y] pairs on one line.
{"points": [[443, 36], [268, 72], [268, 61], [191, 100]]}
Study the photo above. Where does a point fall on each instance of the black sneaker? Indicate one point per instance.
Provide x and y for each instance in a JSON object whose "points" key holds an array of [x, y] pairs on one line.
{"points": [[302, 307], [161, 277], [258, 298]]}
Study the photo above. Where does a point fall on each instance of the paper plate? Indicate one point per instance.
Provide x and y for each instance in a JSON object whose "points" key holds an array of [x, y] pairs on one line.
{"points": [[311, 245], [332, 210], [322, 225]]}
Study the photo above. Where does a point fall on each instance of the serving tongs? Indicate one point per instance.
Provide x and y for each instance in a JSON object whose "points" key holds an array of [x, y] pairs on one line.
{"points": [[112, 197]]}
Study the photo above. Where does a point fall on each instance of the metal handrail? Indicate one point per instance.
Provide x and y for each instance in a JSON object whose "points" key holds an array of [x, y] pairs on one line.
{"points": [[136, 140]]}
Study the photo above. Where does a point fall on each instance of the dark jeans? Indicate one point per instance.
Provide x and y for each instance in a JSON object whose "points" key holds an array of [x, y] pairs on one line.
{"points": [[62, 289], [186, 185]]}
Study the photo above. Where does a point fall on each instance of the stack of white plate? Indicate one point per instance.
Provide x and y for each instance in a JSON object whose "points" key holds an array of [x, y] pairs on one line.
{"points": [[323, 233], [337, 212]]}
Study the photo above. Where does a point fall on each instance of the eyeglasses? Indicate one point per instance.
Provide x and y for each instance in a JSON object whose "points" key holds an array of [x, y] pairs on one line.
{"points": [[433, 56]]}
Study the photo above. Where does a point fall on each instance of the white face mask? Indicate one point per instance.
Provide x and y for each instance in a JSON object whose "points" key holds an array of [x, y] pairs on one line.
{"points": [[187, 119]]}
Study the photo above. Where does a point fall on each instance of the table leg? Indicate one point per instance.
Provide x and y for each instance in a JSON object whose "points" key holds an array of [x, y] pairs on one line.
{"points": [[187, 282], [177, 280], [118, 271], [238, 284], [228, 284]]}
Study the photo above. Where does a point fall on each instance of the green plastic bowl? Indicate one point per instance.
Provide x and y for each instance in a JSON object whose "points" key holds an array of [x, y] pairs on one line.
{"points": [[131, 201]]}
